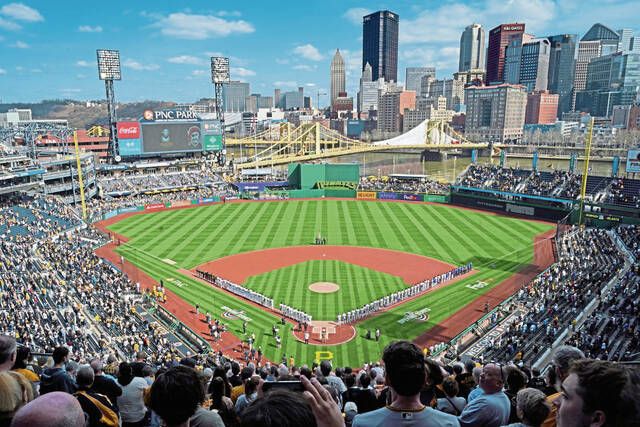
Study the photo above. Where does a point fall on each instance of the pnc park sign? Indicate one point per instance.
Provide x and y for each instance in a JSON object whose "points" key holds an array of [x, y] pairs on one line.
{"points": [[169, 115]]}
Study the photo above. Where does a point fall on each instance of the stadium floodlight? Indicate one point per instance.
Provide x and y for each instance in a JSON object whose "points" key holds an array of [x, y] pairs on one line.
{"points": [[219, 70], [108, 64]]}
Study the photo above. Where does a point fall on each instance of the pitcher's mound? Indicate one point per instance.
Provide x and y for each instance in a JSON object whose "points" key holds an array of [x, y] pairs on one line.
{"points": [[323, 287]]}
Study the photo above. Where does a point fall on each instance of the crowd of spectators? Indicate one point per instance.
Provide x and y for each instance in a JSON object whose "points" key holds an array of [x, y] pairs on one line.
{"points": [[546, 183], [587, 262], [55, 291], [23, 217], [404, 388], [558, 184], [630, 235], [624, 192], [142, 181], [403, 185]]}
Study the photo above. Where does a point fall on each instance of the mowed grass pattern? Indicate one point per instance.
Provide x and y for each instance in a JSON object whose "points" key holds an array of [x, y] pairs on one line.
{"points": [[498, 247], [193, 236], [358, 286]]}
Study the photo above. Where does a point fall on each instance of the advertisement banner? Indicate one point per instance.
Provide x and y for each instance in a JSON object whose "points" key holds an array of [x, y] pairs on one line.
{"points": [[128, 130], [154, 206], [110, 214], [633, 161], [130, 147], [572, 162], [179, 203], [616, 166], [366, 195], [439, 198], [413, 197], [474, 155], [534, 162], [383, 195], [212, 142], [131, 209], [210, 200]]}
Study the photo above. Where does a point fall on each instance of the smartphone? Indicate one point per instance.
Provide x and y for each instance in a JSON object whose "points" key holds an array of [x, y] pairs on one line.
{"points": [[295, 386]]}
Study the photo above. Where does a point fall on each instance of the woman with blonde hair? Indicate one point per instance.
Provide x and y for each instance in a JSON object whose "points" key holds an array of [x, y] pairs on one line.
{"points": [[15, 392]]}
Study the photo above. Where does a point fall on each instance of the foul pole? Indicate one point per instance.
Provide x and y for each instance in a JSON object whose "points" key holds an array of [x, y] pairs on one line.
{"points": [[585, 170], [80, 182]]}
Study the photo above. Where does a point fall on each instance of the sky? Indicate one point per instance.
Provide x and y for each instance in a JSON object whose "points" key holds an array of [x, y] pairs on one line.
{"points": [[48, 48]]}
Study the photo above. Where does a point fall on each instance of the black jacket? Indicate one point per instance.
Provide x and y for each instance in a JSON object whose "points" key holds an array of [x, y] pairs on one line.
{"points": [[56, 379]]}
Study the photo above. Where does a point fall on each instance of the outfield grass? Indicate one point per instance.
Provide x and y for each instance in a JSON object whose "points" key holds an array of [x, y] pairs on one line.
{"points": [[498, 247], [358, 286]]}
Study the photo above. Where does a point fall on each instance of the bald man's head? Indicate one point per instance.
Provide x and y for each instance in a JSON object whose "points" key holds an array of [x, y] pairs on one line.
{"points": [[55, 409]]}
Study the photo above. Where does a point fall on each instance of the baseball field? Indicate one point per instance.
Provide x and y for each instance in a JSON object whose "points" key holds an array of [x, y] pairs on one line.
{"points": [[373, 249]]}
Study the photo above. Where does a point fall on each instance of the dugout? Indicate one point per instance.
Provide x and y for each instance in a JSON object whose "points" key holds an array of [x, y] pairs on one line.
{"points": [[319, 180]]}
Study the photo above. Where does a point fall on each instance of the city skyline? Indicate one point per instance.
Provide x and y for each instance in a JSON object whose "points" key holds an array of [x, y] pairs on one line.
{"points": [[49, 53]]}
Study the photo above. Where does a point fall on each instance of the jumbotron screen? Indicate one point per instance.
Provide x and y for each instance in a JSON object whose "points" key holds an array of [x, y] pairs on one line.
{"points": [[171, 137]]}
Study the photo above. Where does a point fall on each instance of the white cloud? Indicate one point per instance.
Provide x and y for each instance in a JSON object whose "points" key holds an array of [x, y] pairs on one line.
{"points": [[9, 25], [304, 67], [20, 45], [229, 13], [19, 68], [444, 24], [288, 83], [135, 65], [199, 72], [36, 70], [83, 63], [200, 27], [3, 71], [282, 61], [90, 29], [21, 12], [70, 90], [308, 51], [242, 72], [81, 76], [310, 85], [186, 59], [355, 15]]}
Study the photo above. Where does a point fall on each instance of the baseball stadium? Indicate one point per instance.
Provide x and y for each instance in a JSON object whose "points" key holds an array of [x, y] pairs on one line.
{"points": [[370, 249], [193, 265]]}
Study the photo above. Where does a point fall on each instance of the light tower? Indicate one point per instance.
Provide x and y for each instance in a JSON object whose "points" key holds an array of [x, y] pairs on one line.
{"points": [[109, 70], [220, 76]]}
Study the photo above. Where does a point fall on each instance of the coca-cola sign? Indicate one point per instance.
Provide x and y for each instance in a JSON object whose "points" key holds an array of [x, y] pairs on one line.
{"points": [[128, 130]]}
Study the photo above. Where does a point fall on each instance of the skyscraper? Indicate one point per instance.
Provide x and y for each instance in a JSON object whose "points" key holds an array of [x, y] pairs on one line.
{"points": [[234, 95], [338, 77], [534, 65], [472, 48], [499, 39], [598, 41], [626, 38], [562, 69], [414, 76], [380, 44]]}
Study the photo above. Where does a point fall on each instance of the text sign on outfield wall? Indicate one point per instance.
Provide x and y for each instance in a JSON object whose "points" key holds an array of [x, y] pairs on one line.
{"points": [[633, 161], [366, 195]]}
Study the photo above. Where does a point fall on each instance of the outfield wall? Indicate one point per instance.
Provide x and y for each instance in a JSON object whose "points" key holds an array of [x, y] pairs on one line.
{"points": [[533, 207]]}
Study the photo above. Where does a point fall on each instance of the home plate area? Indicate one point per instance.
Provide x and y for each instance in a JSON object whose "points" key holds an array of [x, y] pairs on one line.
{"points": [[326, 332]]}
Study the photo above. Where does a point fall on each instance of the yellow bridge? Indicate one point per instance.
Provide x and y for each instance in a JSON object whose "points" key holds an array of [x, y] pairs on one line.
{"points": [[313, 141]]}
